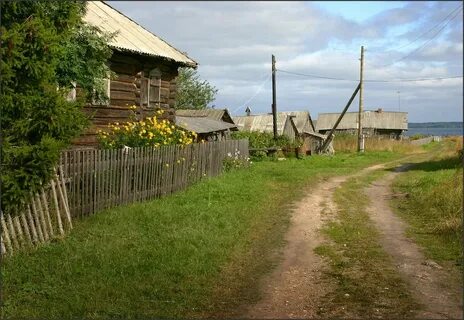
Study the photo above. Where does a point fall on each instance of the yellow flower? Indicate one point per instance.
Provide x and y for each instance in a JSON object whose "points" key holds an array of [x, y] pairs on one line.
{"points": [[178, 161], [167, 164]]}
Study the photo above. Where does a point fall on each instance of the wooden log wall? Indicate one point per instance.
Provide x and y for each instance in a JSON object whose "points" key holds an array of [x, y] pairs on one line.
{"points": [[100, 179], [45, 217], [125, 91]]}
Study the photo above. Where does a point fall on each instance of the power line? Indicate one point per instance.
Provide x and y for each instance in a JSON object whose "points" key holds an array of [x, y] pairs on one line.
{"points": [[424, 33], [255, 94], [423, 45], [367, 80]]}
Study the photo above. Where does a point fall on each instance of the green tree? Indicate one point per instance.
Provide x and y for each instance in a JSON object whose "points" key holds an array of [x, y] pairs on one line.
{"points": [[45, 48], [192, 92]]}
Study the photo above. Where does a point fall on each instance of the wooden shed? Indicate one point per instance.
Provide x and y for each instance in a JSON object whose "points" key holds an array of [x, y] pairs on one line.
{"points": [[305, 131], [208, 129], [146, 68], [264, 123], [215, 114], [375, 123]]}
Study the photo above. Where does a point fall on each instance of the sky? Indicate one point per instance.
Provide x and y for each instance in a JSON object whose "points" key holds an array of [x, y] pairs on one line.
{"points": [[233, 43]]}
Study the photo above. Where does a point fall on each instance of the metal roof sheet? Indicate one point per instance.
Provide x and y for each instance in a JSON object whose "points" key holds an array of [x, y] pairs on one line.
{"points": [[371, 119], [262, 123], [216, 114], [202, 124], [130, 35], [302, 120]]}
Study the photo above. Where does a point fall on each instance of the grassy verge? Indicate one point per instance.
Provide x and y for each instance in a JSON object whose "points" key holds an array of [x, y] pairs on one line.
{"points": [[368, 283], [348, 143], [431, 202], [194, 254]]}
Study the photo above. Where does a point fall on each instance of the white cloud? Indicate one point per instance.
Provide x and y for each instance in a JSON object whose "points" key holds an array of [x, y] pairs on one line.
{"points": [[233, 43]]}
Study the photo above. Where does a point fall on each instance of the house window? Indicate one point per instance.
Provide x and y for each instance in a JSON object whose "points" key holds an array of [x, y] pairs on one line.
{"points": [[151, 90]]}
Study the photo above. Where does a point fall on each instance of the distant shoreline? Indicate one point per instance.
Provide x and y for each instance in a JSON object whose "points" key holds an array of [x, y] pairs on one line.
{"points": [[435, 128]]}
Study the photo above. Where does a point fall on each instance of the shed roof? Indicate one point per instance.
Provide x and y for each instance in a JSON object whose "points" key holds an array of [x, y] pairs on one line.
{"points": [[262, 123], [371, 119], [130, 35], [203, 124], [302, 120], [216, 114]]}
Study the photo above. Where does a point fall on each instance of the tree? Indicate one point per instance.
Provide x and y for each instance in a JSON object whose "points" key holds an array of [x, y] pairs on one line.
{"points": [[192, 92], [45, 48]]}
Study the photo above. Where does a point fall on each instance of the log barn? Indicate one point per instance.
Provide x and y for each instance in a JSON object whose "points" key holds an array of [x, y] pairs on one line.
{"points": [[146, 68], [387, 124]]}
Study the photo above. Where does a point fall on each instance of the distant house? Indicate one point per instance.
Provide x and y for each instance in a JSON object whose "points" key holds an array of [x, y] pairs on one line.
{"points": [[264, 123], [375, 123], [216, 114], [146, 68]]}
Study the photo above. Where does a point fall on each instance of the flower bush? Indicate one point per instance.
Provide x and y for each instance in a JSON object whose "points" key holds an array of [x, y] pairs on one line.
{"points": [[150, 132], [233, 161]]}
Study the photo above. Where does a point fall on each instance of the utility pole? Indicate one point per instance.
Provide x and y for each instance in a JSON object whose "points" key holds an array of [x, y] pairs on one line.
{"points": [[274, 103], [361, 101], [399, 101]]}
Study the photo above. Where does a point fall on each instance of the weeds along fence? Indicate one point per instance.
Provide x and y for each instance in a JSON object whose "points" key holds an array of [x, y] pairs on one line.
{"points": [[100, 179]]}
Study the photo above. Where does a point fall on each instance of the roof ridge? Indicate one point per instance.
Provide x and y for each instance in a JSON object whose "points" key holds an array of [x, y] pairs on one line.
{"points": [[104, 2]]}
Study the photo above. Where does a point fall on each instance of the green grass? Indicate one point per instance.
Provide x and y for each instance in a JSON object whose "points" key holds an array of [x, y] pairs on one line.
{"points": [[368, 284], [197, 253], [432, 204]]}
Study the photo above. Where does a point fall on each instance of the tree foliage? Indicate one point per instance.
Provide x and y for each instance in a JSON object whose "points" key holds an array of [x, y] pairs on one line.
{"points": [[192, 92], [45, 47]]}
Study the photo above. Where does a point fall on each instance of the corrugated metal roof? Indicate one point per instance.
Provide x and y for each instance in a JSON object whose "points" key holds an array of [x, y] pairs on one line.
{"points": [[371, 119], [202, 124], [216, 114], [262, 123], [130, 35], [302, 120]]}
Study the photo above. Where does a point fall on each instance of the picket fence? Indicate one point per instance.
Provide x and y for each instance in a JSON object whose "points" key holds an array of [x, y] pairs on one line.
{"points": [[90, 180], [100, 179], [44, 218]]}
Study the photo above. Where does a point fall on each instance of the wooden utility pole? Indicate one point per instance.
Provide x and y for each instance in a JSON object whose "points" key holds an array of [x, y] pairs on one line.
{"points": [[274, 103], [361, 102]]}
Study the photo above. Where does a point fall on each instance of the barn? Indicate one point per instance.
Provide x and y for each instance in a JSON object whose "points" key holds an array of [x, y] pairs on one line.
{"points": [[381, 123], [146, 68]]}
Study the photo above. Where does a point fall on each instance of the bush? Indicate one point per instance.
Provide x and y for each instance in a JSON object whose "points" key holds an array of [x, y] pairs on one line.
{"points": [[263, 140], [150, 132], [46, 47]]}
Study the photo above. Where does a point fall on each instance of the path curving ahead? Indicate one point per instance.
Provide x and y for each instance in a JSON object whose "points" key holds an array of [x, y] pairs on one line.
{"points": [[439, 291]]}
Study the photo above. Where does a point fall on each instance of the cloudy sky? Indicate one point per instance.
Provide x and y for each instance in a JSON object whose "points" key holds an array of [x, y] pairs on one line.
{"points": [[233, 43]]}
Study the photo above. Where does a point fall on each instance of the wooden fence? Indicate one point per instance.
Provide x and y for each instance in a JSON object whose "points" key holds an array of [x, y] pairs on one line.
{"points": [[99, 179], [44, 218]]}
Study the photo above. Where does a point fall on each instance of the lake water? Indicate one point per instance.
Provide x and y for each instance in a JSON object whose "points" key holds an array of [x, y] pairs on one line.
{"points": [[452, 129]]}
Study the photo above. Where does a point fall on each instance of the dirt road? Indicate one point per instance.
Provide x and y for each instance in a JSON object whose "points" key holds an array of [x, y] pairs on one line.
{"points": [[295, 288], [438, 289]]}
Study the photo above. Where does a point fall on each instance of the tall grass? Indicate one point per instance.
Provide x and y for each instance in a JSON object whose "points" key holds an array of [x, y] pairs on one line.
{"points": [[349, 143], [434, 203]]}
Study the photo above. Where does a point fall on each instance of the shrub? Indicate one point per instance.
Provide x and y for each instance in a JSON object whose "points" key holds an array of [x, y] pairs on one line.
{"points": [[262, 140], [148, 132], [45, 46]]}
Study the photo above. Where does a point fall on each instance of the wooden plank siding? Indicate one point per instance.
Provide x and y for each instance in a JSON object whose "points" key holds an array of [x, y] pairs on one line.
{"points": [[100, 179], [126, 90]]}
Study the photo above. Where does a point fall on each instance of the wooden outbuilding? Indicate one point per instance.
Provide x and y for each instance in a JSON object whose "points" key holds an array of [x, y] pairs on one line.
{"points": [[264, 123], [215, 114], [146, 68], [381, 123]]}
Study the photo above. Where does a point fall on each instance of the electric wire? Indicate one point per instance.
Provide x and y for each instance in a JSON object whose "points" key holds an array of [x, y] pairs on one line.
{"points": [[261, 86]]}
